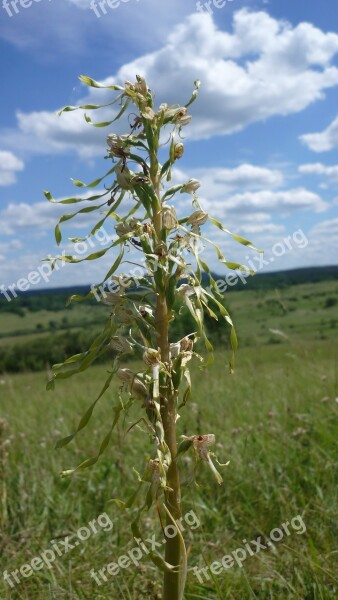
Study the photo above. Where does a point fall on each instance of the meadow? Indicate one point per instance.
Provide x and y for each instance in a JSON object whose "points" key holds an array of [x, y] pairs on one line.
{"points": [[275, 420]]}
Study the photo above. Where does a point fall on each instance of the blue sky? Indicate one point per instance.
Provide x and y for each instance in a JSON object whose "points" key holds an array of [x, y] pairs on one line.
{"points": [[263, 140]]}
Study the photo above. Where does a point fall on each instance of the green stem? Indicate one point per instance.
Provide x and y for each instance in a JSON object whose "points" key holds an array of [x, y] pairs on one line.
{"points": [[171, 583]]}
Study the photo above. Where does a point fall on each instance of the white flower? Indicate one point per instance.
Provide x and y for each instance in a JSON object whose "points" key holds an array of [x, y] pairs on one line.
{"points": [[169, 217], [118, 144], [191, 186], [125, 227], [198, 218]]}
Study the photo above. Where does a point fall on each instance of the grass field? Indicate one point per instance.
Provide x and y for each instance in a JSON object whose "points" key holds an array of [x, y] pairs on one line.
{"points": [[275, 419], [308, 310]]}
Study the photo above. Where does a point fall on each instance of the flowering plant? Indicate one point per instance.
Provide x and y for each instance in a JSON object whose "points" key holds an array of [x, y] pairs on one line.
{"points": [[140, 322]]}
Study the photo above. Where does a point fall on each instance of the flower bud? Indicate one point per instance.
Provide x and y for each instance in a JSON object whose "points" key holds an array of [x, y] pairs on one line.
{"points": [[197, 218], [178, 150], [169, 217]]}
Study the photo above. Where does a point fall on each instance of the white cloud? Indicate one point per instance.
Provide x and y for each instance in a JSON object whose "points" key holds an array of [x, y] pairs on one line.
{"points": [[323, 141], [264, 67], [11, 245], [319, 169], [218, 181], [272, 202], [10, 165], [324, 230], [261, 229], [41, 217]]}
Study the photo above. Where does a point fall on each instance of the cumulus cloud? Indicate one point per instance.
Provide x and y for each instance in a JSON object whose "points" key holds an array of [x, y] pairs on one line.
{"points": [[41, 217], [324, 229], [263, 67], [272, 202], [319, 169], [10, 165], [218, 181], [322, 141]]}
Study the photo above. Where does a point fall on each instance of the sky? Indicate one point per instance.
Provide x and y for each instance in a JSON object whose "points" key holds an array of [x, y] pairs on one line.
{"points": [[263, 140]]}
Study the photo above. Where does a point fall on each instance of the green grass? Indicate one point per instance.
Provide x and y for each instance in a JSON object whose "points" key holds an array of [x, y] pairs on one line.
{"points": [[34, 324], [298, 310], [275, 420]]}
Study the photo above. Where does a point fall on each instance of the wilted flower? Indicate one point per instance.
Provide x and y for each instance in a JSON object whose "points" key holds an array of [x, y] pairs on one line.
{"points": [[148, 113], [191, 186], [299, 431], [201, 444], [141, 85], [145, 311], [186, 290], [112, 298], [135, 385], [125, 315], [125, 227], [118, 145], [197, 218], [186, 344], [175, 349], [169, 217], [120, 344], [152, 357]]}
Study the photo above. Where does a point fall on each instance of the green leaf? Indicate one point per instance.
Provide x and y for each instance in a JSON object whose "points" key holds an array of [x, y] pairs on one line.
{"points": [[92, 83], [184, 446], [236, 237], [58, 235], [93, 183], [87, 106], [86, 417], [75, 200], [172, 191], [104, 445], [197, 84]]}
